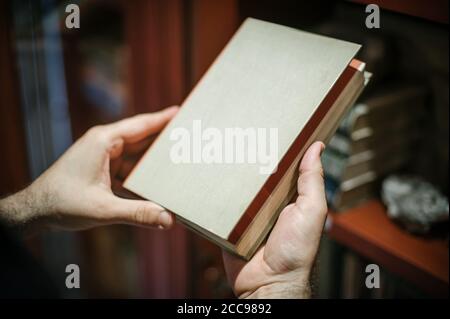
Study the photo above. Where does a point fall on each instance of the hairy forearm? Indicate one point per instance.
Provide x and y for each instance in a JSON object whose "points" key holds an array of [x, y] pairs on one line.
{"points": [[25, 210]]}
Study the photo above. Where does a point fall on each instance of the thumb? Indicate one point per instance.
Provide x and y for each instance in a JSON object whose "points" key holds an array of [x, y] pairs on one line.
{"points": [[311, 189], [140, 213]]}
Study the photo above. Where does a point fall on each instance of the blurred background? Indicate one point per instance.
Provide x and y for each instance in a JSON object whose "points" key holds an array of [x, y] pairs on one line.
{"points": [[386, 168]]}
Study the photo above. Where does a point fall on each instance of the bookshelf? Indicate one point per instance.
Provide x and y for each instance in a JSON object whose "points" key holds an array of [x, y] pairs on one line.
{"points": [[368, 231]]}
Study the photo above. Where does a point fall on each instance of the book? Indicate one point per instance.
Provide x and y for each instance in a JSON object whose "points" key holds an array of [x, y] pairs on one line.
{"points": [[384, 110], [345, 195], [375, 138], [381, 159], [268, 79]]}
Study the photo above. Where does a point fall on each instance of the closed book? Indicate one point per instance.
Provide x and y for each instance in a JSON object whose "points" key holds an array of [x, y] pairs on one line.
{"points": [[389, 108], [382, 159], [227, 163], [345, 195]]}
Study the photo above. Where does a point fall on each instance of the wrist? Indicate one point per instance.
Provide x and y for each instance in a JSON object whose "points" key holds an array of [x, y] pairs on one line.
{"points": [[25, 209], [298, 288]]}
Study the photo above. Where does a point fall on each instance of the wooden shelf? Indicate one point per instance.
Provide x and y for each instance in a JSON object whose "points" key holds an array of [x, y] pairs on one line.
{"points": [[368, 231]]}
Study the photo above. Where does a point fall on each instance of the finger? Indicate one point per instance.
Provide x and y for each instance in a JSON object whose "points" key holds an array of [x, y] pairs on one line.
{"points": [[311, 200], [136, 128], [310, 183], [140, 212]]}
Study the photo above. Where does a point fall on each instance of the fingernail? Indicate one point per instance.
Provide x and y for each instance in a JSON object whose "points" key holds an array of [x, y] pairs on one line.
{"points": [[164, 220]]}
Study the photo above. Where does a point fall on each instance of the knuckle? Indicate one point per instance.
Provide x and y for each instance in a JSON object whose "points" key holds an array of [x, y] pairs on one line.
{"points": [[93, 131], [317, 171], [139, 215], [142, 215], [98, 134]]}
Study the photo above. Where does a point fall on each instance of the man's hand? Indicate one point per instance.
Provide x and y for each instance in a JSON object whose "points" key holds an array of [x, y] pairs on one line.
{"points": [[75, 192], [281, 268]]}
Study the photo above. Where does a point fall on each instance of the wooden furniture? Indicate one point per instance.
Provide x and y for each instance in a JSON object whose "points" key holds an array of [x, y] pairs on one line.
{"points": [[368, 231]]}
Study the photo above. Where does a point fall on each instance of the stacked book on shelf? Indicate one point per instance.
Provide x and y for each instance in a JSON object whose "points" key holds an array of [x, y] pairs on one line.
{"points": [[375, 138]]}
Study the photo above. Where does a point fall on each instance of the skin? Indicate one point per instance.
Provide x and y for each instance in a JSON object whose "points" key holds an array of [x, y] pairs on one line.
{"points": [[75, 193], [78, 192], [282, 266]]}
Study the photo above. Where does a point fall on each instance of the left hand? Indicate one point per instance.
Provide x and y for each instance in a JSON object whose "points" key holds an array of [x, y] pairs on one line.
{"points": [[75, 192]]}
